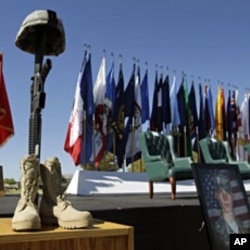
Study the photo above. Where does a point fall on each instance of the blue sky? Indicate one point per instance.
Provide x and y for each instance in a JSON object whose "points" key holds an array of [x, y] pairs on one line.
{"points": [[206, 39]]}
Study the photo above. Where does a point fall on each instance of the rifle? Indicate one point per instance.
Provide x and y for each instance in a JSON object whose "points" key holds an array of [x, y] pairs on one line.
{"points": [[38, 97]]}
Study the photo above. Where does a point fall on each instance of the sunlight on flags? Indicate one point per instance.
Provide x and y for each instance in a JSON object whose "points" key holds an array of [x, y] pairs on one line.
{"points": [[193, 111], [209, 110], [109, 103], [156, 114], [184, 112], [88, 104], [134, 126], [100, 131], [145, 98], [166, 107], [174, 104], [6, 122], [118, 119], [244, 129], [220, 122], [79, 131]]}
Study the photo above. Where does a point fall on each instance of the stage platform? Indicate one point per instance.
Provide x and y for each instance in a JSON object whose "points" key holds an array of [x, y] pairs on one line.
{"points": [[159, 223]]}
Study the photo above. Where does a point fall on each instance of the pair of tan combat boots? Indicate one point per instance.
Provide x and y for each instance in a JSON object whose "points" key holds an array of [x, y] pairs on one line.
{"points": [[54, 209]]}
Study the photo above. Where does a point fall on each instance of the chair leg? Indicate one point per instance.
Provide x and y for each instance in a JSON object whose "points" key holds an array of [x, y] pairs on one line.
{"points": [[151, 189], [172, 181]]}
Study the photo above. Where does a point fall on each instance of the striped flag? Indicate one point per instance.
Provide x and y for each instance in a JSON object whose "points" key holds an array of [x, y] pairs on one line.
{"points": [[79, 131], [73, 139]]}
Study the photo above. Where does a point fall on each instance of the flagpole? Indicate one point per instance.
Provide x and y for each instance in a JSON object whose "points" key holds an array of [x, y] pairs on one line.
{"points": [[85, 135], [178, 140], [185, 140], [114, 144], [133, 141], [94, 147], [198, 144]]}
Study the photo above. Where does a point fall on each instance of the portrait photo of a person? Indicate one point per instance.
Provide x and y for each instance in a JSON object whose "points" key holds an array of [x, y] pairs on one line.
{"points": [[224, 203], [227, 223]]}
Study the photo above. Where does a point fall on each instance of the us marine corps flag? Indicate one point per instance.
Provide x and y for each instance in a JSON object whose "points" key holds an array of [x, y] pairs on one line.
{"points": [[6, 123]]}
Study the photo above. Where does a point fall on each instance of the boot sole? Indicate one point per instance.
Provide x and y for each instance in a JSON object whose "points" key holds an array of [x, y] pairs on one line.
{"points": [[75, 224], [26, 226]]}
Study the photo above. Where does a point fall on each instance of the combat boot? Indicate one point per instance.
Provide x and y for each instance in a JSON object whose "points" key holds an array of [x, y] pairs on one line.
{"points": [[54, 208], [26, 216]]}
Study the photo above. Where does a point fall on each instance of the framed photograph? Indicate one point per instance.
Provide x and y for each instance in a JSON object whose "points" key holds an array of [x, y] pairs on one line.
{"points": [[224, 202]]}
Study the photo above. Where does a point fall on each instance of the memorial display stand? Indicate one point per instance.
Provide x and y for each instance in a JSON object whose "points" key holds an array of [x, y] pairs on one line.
{"points": [[103, 236]]}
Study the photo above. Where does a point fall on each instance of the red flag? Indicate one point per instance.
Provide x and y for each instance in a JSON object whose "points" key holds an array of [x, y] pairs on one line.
{"points": [[6, 123]]}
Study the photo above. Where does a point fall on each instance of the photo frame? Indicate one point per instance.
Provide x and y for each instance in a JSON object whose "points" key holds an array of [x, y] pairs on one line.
{"points": [[223, 201]]}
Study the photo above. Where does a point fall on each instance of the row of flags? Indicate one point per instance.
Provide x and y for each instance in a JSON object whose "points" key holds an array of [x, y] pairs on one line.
{"points": [[108, 117], [105, 117]]}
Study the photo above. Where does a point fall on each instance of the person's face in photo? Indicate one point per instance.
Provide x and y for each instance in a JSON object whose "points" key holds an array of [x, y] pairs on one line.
{"points": [[225, 199]]}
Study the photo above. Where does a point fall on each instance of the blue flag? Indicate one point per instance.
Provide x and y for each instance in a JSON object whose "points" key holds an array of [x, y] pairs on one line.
{"points": [[130, 95], [182, 108], [193, 111], [88, 104], [109, 105], [166, 107], [118, 119], [145, 98]]}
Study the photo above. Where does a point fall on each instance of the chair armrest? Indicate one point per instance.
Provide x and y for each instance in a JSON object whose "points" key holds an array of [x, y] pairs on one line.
{"points": [[180, 160], [157, 171], [152, 158]]}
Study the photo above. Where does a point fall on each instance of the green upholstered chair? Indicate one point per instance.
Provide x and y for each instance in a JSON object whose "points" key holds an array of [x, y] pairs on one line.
{"points": [[212, 150], [244, 166], [215, 151], [161, 162]]}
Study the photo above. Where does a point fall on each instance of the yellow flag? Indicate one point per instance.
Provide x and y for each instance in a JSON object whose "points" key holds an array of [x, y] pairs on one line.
{"points": [[219, 115]]}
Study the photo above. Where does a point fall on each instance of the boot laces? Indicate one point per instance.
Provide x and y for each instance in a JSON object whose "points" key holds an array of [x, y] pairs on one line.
{"points": [[30, 182], [57, 186]]}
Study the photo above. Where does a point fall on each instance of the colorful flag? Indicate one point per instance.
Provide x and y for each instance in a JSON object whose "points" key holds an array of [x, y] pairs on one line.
{"points": [[166, 107], [203, 130], [156, 123], [193, 111], [100, 114], [182, 107], [238, 109], [245, 116], [6, 122], [220, 115], [87, 93], [130, 95], [185, 116], [230, 113], [133, 151], [243, 128], [145, 98], [73, 141], [174, 104], [118, 119], [109, 103], [130, 104], [211, 109]]}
